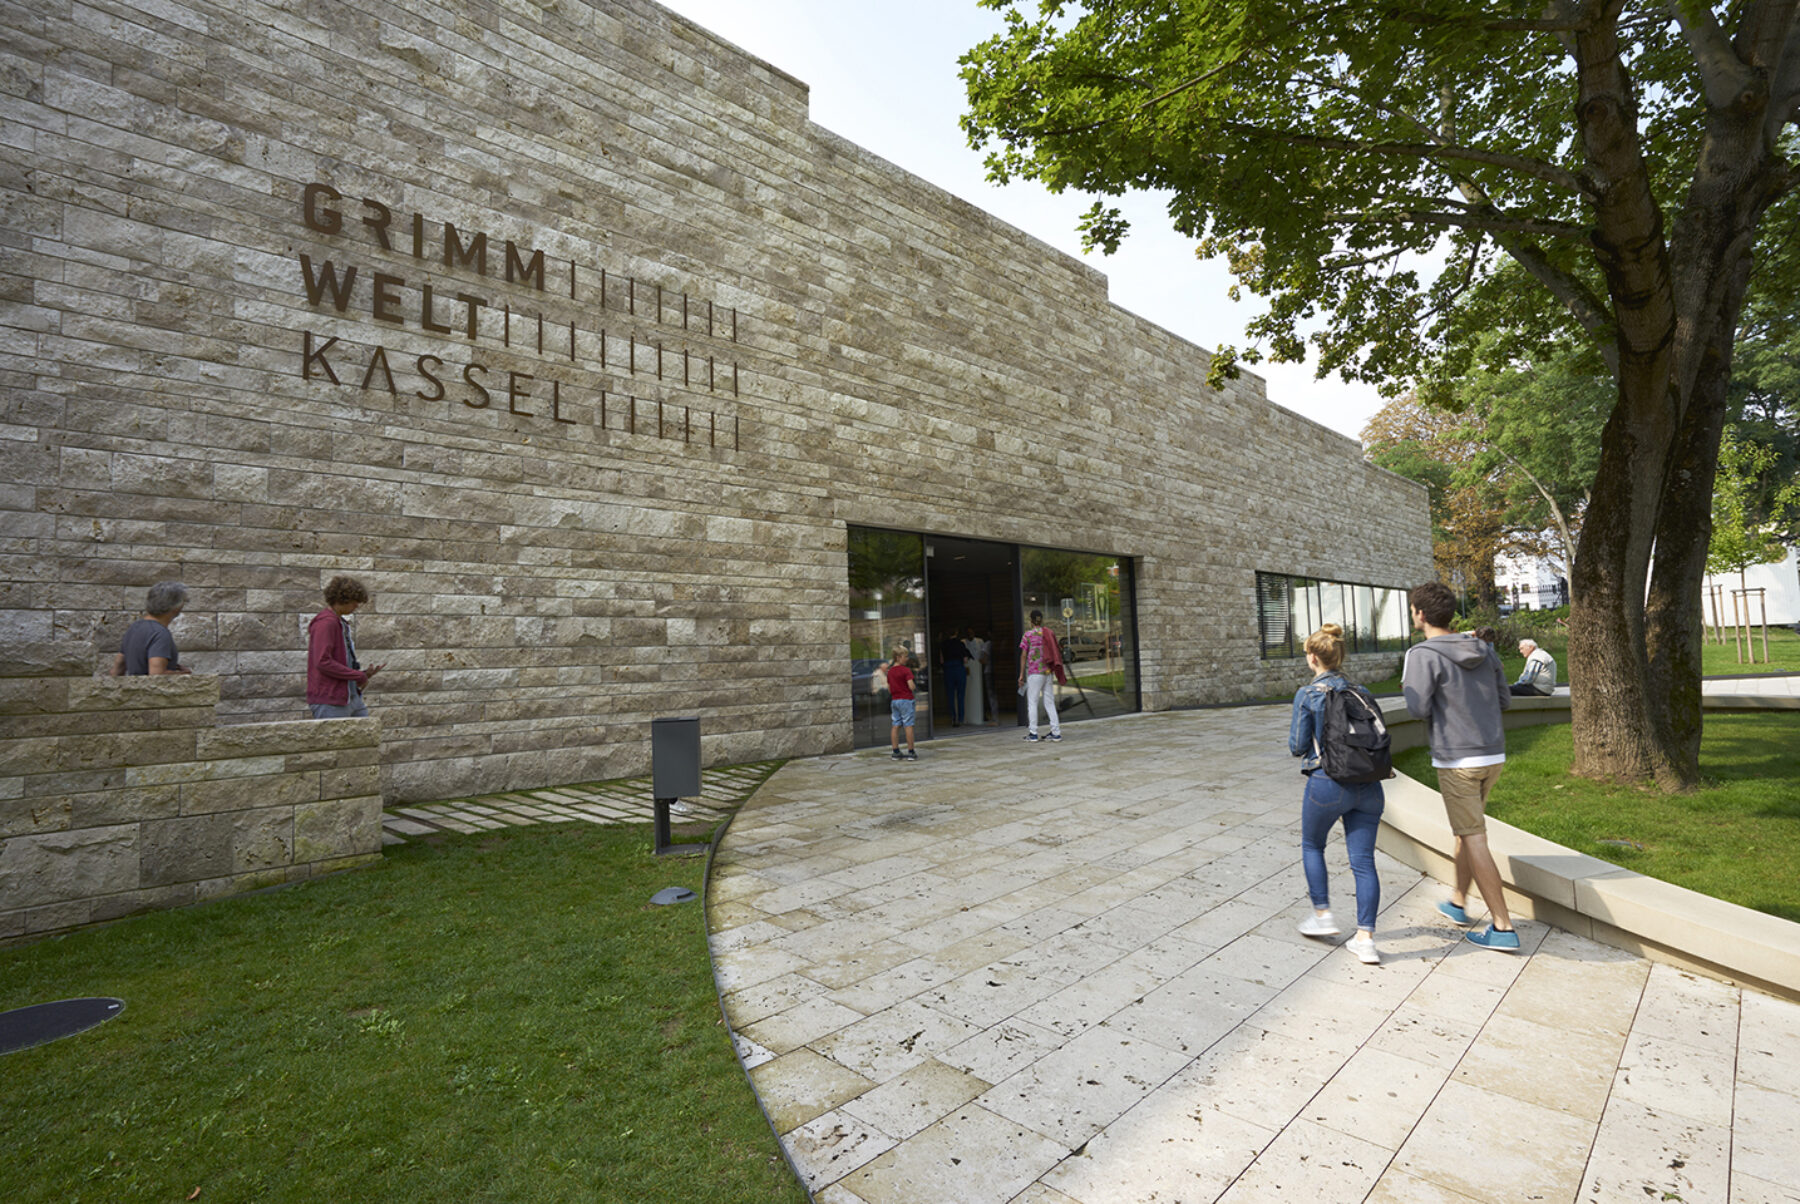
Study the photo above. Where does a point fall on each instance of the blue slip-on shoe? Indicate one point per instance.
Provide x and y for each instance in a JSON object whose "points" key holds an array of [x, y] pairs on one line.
{"points": [[1493, 938], [1457, 915], [1032, 737]]}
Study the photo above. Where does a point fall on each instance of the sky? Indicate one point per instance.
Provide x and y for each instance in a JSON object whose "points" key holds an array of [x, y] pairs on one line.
{"points": [[889, 83]]}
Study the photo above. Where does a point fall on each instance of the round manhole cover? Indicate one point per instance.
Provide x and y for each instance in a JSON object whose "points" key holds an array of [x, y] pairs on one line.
{"points": [[22, 1028]]}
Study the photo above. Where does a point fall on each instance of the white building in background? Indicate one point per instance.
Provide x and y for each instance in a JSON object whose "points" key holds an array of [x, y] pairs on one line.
{"points": [[1530, 583], [1780, 581]]}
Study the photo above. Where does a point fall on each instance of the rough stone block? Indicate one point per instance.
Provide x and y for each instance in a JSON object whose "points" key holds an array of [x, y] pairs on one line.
{"points": [[124, 693], [33, 696], [113, 907], [201, 771], [237, 884], [123, 806], [189, 849], [25, 817], [56, 867], [57, 916], [337, 828], [55, 658], [337, 864], [294, 736], [350, 783], [244, 794]]}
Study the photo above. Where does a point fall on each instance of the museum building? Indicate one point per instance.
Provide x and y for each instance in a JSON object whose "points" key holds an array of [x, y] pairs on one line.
{"points": [[627, 390]]}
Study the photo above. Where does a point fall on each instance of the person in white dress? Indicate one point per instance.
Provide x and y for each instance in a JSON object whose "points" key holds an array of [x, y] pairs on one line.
{"points": [[977, 696]]}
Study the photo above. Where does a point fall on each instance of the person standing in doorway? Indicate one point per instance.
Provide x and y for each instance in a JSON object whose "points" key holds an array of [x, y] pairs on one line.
{"points": [[1455, 683], [981, 694], [954, 655], [1039, 658], [334, 677], [900, 690], [148, 649]]}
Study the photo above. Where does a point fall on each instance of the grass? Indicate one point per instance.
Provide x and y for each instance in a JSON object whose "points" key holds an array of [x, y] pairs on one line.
{"points": [[1784, 654], [501, 1016], [1733, 839]]}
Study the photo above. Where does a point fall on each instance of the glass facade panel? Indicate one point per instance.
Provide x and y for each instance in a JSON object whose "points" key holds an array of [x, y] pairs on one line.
{"points": [[1087, 601], [1362, 624], [1375, 618], [887, 606], [1334, 607]]}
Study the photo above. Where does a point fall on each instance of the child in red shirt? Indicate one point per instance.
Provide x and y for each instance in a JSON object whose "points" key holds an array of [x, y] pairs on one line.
{"points": [[900, 687]]}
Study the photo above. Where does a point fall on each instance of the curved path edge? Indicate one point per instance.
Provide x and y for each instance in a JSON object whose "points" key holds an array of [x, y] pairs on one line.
{"points": [[1595, 898]]}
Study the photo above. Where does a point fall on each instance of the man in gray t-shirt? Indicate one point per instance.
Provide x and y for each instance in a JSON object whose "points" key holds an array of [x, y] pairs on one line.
{"points": [[148, 649]]}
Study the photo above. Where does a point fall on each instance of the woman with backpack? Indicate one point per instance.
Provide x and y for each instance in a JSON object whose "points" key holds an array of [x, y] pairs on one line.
{"points": [[1328, 800]]}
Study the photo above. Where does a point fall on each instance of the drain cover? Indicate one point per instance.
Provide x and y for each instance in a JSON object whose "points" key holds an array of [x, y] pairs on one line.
{"points": [[672, 894], [22, 1028]]}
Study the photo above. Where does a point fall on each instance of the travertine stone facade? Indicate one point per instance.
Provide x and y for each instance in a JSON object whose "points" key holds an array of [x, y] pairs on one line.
{"points": [[122, 794], [628, 343]]}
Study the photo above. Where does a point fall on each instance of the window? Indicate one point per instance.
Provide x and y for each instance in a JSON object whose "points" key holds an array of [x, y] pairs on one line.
{"points": [[1375, 618]]}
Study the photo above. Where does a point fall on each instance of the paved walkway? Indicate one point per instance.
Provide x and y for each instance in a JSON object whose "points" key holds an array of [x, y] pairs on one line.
{"points": [[1068, 974], [623, 801]]}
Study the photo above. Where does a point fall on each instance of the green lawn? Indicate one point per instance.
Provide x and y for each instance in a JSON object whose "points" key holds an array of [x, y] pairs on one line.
{"points": [[1734, 839], [501, 1016], [1784, 654]]}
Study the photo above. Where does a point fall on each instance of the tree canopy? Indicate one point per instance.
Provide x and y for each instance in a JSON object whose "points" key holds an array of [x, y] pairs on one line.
{"points": [[1417, 189]]}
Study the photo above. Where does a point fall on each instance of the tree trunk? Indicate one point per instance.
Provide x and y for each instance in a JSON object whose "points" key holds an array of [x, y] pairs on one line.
{"points": [[1674, 629], [1608, 668], [1675, 625]]}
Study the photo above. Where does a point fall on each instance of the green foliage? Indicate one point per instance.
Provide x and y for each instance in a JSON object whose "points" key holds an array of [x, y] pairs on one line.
{"points": [[1732, 839], [1740, 537], [1765, 410], [1333, 155], [491, 1017]]}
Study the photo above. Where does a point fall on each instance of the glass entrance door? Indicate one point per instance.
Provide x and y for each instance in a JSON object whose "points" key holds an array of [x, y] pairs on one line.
{"points": [[887, 608], [922, 591]]}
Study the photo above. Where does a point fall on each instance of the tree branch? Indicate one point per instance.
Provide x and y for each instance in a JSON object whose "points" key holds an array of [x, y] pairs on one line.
{"points": [[1547, 172], [1444, 145], [1593, 313], [1491, 223], [1722, 75]]}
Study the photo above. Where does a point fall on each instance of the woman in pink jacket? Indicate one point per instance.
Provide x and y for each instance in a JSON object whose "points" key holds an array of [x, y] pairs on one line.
{"points": [[334, 677]]}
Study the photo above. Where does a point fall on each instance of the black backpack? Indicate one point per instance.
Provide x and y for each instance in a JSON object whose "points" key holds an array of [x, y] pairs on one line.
{"points": [[1352, 741]]}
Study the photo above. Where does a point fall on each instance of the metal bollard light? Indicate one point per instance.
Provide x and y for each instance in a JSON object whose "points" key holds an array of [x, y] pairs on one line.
{"points": [[674, 774]]}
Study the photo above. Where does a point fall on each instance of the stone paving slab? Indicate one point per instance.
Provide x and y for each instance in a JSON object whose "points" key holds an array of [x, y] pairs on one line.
{"points": [[624, 801], [1068, 974]]}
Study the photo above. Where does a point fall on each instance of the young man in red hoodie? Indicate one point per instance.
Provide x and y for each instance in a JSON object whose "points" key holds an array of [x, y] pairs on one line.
{"points": [[334, 677]]}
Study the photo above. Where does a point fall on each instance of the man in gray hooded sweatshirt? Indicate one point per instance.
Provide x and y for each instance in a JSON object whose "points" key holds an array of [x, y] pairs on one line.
{"points": [[1455, 683]]}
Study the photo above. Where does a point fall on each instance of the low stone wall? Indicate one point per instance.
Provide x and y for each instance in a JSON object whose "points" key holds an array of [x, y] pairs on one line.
{"points": [[1590, 897], [120, 795]]}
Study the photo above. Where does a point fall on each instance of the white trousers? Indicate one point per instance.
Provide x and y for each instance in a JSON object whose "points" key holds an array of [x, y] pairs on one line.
{"points": [[1041, 685]]}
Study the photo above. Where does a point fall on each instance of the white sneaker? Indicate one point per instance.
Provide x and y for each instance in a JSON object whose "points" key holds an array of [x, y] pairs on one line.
{"points": [[1363, 945], [1319, 925]]}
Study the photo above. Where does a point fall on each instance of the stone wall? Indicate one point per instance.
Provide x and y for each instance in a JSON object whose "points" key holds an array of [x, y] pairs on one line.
{"points": [[604, 486], [120, 795]]}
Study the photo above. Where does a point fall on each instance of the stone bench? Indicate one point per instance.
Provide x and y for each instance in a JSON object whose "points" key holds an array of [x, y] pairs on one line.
{"points": [[1588, 896], [120, 795]]}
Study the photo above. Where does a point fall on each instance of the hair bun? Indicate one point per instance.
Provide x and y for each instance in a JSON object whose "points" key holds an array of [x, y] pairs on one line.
{"points": [[1332, 629]]}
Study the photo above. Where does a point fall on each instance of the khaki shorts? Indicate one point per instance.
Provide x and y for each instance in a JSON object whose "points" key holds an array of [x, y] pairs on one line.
{"points": [[1465, 794]]}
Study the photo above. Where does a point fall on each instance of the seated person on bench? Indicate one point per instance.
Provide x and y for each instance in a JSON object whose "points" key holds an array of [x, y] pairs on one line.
{"points": [[1539, 677]]}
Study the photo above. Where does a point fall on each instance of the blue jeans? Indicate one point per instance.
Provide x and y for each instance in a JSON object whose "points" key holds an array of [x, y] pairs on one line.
{"points": [[956, 681], [354, 707], [1359, 806]]}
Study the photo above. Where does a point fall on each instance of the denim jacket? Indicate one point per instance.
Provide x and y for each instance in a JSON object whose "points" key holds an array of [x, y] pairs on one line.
{"points": [[1309, 701]]}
